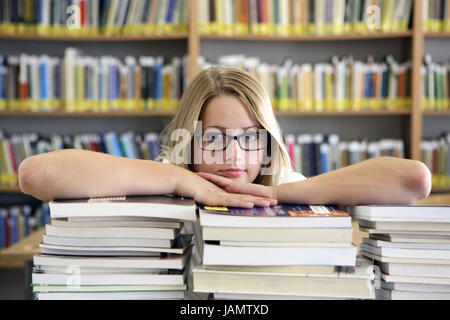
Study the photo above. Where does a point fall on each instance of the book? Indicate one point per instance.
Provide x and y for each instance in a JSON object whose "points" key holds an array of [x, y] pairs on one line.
{"points": [[107, 242], [413, 227], [348, 283], [266, 256], [373, 212], [131, 222], [168, 207], [411, 238], [407, 295], [111, 279], [134, 295], [406, 253], [280, 216], [415, 287], [175, 262], [108, 288], [111, 232], [307, 235], [413, 270]]}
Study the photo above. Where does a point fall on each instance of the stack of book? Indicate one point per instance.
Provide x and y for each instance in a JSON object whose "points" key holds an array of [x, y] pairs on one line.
{"points": [[93, 17], [285, 251], [411, 246], [342, 84], [115, 248], [300, 17], [436, 14], [82, 83], [313, 154], [436, 155], [435, 79], [16, 147]]}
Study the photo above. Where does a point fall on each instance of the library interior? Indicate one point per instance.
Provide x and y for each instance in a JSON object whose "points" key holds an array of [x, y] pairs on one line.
{"points": [[348, 81]]}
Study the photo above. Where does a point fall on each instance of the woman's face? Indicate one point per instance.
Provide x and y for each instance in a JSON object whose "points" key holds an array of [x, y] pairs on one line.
{"points": [[227, 115]]}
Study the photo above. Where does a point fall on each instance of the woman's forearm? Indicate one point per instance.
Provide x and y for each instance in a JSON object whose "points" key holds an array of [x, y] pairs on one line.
{"points": [[382, 180], [79, 173]]}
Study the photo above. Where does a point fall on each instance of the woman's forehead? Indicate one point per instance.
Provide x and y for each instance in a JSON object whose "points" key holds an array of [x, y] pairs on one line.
{"points": [[226, 112]]}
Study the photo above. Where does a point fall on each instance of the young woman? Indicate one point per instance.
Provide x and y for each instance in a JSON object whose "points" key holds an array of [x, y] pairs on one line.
{"points": [[223, 147]]}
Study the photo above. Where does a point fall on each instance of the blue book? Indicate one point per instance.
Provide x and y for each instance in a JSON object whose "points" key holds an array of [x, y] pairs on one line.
{"points": [[46, 213], [170, 11], [13, 228], [312, 159], [158, 79], [3, 227], [38, 11], [324, 154], [276, 13], [43, 77], [153, 145], [26, 215], [113, 144], [2, 77]]}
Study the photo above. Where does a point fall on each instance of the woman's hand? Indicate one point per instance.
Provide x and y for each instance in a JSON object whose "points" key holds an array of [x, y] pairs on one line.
{"points": [[207, 193], [234, 187]]}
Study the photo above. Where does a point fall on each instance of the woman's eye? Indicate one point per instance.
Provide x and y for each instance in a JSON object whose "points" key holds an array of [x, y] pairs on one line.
{"points": [[211, 137], [251, 137]]}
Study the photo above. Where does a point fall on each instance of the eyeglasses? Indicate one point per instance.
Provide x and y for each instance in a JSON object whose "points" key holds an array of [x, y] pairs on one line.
{"points": [[217, 141]]}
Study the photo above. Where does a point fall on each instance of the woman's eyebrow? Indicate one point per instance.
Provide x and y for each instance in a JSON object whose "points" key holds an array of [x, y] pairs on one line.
{"points": [[222, 128]]}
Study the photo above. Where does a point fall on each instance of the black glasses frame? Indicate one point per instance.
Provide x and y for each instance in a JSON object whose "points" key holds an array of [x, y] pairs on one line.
{"points": [[229, 138]]}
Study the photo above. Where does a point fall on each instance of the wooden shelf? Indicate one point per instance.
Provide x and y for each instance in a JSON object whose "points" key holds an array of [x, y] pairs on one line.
{"points": [[437, 34], [328, 37], [89, 114], [440, 189], [181, 36], [23, 250], [343, 113], [436, 113], [8, 189]]}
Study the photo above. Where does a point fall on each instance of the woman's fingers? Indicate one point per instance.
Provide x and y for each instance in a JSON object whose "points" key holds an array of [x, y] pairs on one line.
{"points": [[239, 187]]}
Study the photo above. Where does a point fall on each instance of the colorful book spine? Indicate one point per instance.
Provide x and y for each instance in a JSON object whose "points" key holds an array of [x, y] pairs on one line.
{"points": [[93, 17], [435, 79], [343, 84], [317, 154], [300, 17], [16, 147], [435, 154], [80, 83]]}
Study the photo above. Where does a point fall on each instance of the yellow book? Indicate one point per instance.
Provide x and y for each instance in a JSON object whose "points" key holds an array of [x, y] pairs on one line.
{"points": [[219, 17]]}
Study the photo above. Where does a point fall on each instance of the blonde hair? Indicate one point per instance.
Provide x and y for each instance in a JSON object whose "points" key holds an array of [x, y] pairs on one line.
{"points": [[229, 81]]}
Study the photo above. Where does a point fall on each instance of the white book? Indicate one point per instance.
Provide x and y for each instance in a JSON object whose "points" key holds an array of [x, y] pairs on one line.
{"points": [[254, 296], [171, 208], [406, 253], [95, 270], [111, 295], [107, 288], [413, 269], [136, 222], [284, 244], [408, 295], [400, 245], [270, 256], [176, 262], [106, 242], [415, 287], [106, 251], [111, 232], [418, 279], [116, 279], [375, 212]]}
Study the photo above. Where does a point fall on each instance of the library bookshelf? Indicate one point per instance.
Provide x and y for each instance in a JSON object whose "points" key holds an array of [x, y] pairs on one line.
{"points": [[412, 118]]}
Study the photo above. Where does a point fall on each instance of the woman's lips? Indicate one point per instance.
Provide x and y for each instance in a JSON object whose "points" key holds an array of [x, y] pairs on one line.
{"points": [[232, 173]]}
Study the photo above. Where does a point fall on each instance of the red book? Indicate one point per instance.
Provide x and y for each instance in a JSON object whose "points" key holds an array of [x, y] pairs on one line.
{"points": [[83, 12], [12, 157]]}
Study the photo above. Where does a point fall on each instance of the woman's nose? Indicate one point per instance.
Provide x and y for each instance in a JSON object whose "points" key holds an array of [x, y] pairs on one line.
{"points": [[234, 153]]}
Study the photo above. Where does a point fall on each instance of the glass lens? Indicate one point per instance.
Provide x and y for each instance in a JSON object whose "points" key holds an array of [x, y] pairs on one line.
{"points": [[213, 141]]}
